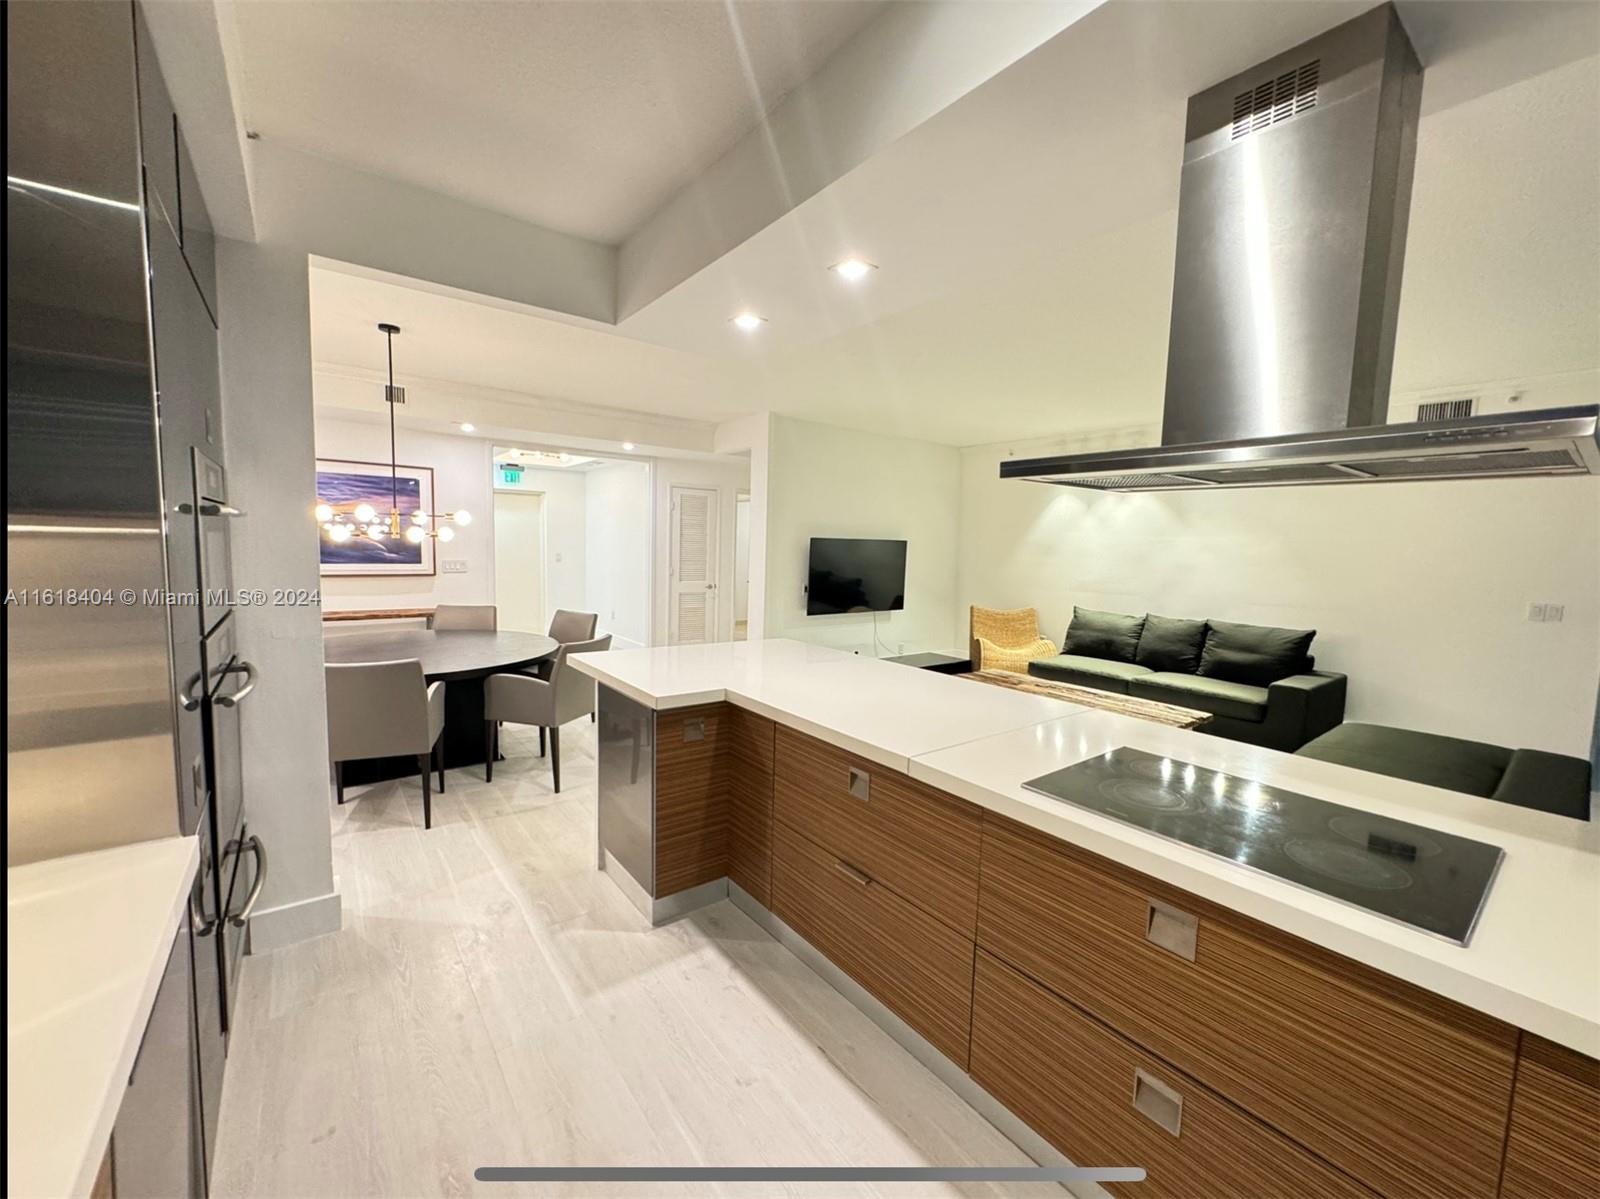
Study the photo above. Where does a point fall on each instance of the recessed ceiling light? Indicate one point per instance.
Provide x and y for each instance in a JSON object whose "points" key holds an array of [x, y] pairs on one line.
{"points": [[853, 270], [467, 426], [749, 321], [629, 446]]}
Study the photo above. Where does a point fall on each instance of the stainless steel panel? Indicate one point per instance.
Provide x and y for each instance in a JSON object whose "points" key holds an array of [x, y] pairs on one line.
{"points": [[197, 236], [627, 773], [213, 518], [205, 924], [158, 131], [91, 758], [224, 775], [154, 1141], [1290, 237]]}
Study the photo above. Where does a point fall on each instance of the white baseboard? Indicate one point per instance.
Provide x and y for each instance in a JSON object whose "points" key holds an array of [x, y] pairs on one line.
{"points": [[275, 928]]}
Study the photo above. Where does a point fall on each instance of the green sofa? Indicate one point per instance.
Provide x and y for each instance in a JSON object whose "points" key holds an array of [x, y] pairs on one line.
{"points": [[1260, 684], [1529, 778]]}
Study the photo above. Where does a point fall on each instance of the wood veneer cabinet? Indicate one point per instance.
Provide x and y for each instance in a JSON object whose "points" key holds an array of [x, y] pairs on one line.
{"points": [[918, 966], [1405, 1091], [1105, 1102], [691, 798], [920, 842], [750, 754], [1553, 1148]]}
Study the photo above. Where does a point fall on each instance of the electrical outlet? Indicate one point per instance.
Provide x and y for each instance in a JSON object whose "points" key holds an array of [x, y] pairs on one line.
{"points": [[1547, 613], [456, 566], [1536, 612]]}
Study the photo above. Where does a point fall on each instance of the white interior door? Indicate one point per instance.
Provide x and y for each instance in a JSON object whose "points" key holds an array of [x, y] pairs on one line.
{"points": [[693, 570], [519, 560]]}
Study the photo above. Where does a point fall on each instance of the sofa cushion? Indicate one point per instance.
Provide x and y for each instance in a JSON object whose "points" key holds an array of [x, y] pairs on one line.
{"points": [[1110, 635], [1087, 672], [1220, 697], [1253, 653], [1167, 643], [1472, 767]]}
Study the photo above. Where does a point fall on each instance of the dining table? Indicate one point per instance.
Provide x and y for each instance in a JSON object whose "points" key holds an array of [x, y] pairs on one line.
{"points": [[460, 658]]}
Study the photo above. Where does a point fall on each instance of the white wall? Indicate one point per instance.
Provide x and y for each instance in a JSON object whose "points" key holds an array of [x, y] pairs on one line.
{"points": [[266, 402], [1418, 591], [729, 477], [565, 535], [462, 478], [617, 561], [828, 482]]}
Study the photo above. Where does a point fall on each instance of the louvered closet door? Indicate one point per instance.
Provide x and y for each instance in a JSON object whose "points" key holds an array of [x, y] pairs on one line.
{"points": [[694, 565]]}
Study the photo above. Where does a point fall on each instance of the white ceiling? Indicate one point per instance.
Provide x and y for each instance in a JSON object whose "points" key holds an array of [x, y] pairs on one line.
{"points": [[582, 117], [1025, 239]]}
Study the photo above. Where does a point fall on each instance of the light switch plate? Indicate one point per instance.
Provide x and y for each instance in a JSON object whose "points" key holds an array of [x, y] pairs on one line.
{"points": [[453, 566]]}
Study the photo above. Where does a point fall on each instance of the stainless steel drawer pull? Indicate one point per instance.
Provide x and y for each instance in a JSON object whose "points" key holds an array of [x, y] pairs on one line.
{"points": [[694, 730], [1157, 1102], [860, 784], [859, 876], [1171, 928], [249, 672]]}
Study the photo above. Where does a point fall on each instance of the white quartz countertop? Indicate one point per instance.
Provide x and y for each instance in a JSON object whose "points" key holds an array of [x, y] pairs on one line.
{"points": [[87, 941], [1533, 961]]}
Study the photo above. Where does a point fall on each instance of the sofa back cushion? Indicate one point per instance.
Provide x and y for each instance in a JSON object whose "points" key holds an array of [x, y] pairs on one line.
{"points": [[1169, 644], [1103, 634], [1252, 653]]}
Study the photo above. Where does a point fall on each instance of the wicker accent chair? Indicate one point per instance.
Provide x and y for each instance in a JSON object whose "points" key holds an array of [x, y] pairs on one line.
{"points": [[1007, 640]]}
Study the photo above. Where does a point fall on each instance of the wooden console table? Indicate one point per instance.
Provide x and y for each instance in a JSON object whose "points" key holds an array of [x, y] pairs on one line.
{"points": [[1110, 701], [378, 614]]}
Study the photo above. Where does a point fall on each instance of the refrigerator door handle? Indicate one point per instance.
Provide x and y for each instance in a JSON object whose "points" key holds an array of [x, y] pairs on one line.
{"points": [[249, 672], [242, 916], [187, 699]]}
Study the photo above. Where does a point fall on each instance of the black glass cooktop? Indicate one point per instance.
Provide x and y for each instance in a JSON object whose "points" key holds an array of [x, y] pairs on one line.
{"points": [[1433, 881]]}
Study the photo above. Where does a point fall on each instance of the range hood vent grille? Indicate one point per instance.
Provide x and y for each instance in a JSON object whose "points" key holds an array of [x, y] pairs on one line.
{"points": [[1496, 462], [1440, 410], [1274, 100]]}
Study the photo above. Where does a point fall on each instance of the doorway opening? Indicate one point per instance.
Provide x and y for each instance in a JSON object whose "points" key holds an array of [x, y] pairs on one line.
{"points": [[519, 560]]}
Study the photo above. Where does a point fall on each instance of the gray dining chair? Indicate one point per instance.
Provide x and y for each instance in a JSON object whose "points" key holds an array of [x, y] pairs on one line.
{"points": [[484, 617], [385, 710], [568, 626], [567, 694]]}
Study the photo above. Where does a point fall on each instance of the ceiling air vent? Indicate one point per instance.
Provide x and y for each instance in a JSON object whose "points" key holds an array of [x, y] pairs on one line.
{"points": [[1274, 100], [1438, 410]]}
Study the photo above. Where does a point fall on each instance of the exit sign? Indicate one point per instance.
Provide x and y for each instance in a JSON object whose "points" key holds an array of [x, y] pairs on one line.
{"points": [[511, 474]]}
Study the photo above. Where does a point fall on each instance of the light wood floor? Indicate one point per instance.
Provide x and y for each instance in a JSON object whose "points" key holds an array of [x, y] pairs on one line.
{"points": [[493, 999]]}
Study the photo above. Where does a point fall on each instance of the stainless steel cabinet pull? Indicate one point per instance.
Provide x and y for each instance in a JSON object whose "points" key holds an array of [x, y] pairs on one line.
{"points": [[853, 874], [1157, 1102], [187, 699], [242, 916], [249, 672], [860, 784], [1171, 928], [198, 921], [210, 509], [694, 730]]}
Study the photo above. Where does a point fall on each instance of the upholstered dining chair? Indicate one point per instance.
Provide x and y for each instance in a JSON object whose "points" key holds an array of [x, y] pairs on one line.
{"points": [[465, 616], [568, 626], [566, 695], [1007, 639], [385, 710]]}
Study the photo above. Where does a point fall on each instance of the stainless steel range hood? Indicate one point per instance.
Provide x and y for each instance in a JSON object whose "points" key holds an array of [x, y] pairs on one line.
{"points": [[1292, 209]]}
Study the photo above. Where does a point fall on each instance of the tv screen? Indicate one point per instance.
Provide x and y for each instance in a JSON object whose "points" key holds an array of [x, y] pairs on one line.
{"points": [[855, 575]]}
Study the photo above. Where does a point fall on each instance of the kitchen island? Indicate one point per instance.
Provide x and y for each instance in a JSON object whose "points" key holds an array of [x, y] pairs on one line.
{"points": [[1236, 1028]]}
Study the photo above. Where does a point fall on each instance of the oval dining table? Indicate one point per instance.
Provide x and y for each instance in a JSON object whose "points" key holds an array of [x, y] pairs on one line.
{"points": [[462, 658]]}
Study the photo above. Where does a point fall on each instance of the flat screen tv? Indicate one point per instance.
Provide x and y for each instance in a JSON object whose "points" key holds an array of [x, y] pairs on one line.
{"points": [[850, 574]]}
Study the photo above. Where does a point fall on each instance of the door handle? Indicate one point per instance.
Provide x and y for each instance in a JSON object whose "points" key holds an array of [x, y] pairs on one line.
{"points": [[187, 699], [242, 917], [199, 922], [1157, 1102], [249, 672], [859, 784]]}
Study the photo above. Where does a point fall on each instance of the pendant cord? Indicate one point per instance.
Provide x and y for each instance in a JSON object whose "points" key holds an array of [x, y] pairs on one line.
{"points": [[394, 469]]}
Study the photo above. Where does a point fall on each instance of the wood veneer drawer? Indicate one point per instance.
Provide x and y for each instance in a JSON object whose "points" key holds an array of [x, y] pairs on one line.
{"points": [[750, 744], [1401, 1089], [1553, 1150], [1103, 1102], [919, 967], [691, 830], [919, 841]]}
